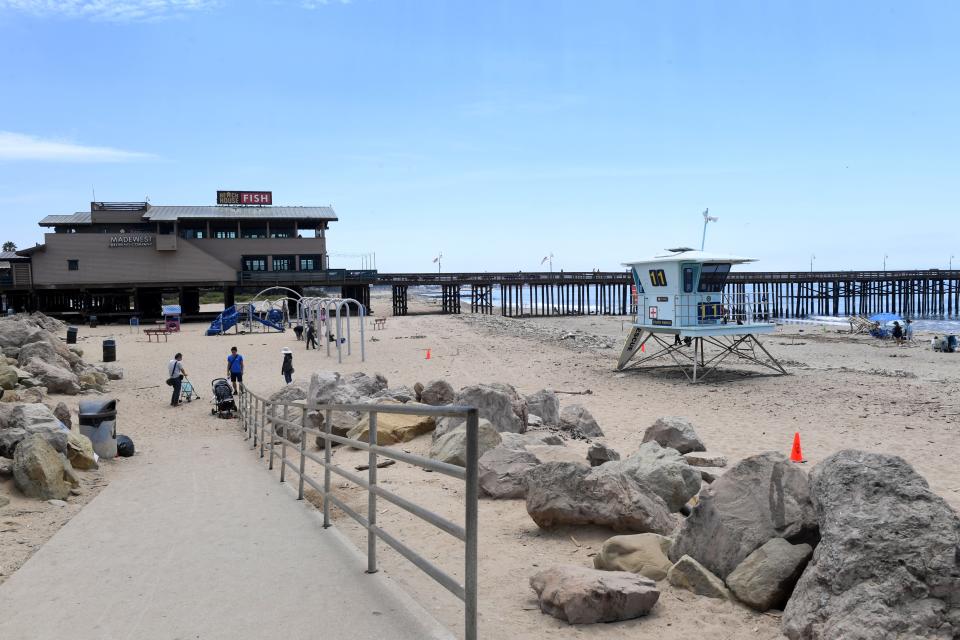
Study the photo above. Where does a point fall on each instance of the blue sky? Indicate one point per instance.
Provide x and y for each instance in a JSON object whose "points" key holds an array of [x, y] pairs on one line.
{"points": [[498, 132]]}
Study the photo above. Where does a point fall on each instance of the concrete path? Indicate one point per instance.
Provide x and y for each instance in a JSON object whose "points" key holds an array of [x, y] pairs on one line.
{"points": [[200, 542]]}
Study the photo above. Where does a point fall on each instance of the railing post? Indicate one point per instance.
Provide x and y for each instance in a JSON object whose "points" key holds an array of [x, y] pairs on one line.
{"points": [[470, 544], [328, 460], [253, 422], [271, 413], [283, 447], [263, 424], [303, 450], [372, 498]]}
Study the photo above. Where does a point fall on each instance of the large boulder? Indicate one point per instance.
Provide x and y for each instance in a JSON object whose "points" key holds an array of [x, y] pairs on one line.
{"points": [[91, 379], [531, 438], [585, 596], [643, 553], [400, 394], [689, 574], [54, 378], [365, 385], [665, 472], [452, 446], [599, 453], [576, 420], [18, 421], [8, 377], [39, 471], [341, 422], [327, 387], [762, 497], [546, 405], [676, 433], [393, 428], [560, 493], [766, 578], [16, 332], [437, 393], [290, 393], [888, 563], [498, 403], [80, 452], [503, 472], [42, 350], [112, 370], [62, 413]]}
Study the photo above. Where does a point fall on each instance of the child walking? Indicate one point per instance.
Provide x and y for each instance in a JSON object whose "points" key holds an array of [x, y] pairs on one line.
{"points": [[287, 367]]}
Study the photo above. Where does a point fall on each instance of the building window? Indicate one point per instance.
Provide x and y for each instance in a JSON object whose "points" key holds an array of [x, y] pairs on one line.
{"points": [[254, 232], [283, 263], [254, 263], [73, 265], [195, 233], [225, 234], [310, 263]]}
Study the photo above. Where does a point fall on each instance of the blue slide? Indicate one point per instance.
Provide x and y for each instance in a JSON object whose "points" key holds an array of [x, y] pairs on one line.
{"points": [[224, 321], [268, 321]]}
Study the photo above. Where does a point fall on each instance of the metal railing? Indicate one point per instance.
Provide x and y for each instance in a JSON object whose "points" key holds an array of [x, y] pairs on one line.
{"points": [[690, 310], [269, 424]]}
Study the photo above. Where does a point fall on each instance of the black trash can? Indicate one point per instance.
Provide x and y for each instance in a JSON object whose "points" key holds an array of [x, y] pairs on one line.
{"points": [[109, 350], [93, 322], [71, 335], [98, 421]]}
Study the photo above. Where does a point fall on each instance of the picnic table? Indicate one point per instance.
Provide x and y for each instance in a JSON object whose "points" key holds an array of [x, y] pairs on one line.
{"points": [[379, 323], [150, 333]]}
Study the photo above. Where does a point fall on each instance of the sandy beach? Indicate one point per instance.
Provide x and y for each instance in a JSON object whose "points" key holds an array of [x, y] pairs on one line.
{"points": [[843, 391]]}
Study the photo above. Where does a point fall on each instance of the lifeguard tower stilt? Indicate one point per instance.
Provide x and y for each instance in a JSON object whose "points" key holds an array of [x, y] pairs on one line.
{"points": [[684, 315]]}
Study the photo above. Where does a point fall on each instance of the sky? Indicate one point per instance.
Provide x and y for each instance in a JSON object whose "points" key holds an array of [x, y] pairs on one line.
{"points": [[498, 133]]}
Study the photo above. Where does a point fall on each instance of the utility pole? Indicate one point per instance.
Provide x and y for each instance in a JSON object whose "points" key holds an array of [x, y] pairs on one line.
{"points": [[812, 258], [706, 219]]}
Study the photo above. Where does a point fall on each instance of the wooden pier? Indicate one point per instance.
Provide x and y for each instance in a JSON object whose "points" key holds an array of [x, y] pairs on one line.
{"points": [[789, 294]]}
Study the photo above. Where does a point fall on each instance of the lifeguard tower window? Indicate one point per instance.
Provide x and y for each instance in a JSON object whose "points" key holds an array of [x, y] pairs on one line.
{"points": [[712, 277], [688, 279]]}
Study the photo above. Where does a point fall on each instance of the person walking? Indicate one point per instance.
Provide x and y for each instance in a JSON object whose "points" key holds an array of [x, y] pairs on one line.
{"points": [[175, 378], [311, 335], [287, 367], [235, 368]]}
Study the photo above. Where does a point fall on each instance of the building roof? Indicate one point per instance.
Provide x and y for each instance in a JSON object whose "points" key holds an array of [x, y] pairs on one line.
{"points": [[171, 213], [83, 217], [11, 255], [156, 213], [691, 255]]}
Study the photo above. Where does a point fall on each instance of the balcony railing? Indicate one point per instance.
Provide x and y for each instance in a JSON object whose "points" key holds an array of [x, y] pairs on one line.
{"points": [[307, 277]]}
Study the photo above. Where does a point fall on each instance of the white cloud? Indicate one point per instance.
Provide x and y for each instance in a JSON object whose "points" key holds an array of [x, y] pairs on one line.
{"points": [[109, 10], [316, 4], [18, 146]]}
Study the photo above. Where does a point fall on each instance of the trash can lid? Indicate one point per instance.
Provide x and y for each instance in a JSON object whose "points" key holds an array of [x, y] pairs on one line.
{"points": [[98, 408]]}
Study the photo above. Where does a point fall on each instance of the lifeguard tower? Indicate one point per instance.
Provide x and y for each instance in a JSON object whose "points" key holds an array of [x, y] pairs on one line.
{"points": [[684, 314]]}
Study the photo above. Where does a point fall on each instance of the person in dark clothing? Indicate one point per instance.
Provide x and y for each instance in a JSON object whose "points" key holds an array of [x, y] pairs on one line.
{"points": [[287, 367], [298, 331], [898, 333], [176, 373], [311, 336]]}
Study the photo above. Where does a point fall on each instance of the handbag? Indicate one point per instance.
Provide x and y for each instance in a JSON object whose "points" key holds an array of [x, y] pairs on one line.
{"points": [[170, 382]]}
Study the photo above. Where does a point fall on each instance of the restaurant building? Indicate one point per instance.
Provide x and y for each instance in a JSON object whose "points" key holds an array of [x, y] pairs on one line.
{"points": [[123, 258]]}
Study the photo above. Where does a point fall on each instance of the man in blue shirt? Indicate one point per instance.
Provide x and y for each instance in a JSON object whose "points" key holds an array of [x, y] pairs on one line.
{"points": [[235, 368]]}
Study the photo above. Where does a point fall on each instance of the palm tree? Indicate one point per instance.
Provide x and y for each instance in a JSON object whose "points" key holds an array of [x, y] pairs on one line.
{"points": [[9, 246]]}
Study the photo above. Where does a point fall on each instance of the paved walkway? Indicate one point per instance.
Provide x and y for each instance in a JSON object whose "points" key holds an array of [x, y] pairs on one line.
{"points": [[201, 543]]}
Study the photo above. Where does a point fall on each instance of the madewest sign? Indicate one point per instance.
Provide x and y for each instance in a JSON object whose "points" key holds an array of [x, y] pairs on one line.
{"points": [[131, 240], [245, 197]]}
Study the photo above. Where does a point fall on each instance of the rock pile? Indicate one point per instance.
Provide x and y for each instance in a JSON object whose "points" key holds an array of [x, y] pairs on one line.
{"points": [[35, 357]]}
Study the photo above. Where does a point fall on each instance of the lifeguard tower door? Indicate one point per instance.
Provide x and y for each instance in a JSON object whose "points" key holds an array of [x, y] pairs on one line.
{"points": [[689, 277]]}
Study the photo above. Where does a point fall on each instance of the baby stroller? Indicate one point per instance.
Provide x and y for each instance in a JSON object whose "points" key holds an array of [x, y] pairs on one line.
{"points": [[223, 404], [186, 390]]}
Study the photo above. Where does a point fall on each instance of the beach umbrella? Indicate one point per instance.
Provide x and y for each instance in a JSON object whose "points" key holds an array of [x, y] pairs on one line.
{"points": [[885, 317]]}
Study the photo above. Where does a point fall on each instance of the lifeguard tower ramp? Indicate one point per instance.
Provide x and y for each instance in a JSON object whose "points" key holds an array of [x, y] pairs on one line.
{"points": [[685, 318]]}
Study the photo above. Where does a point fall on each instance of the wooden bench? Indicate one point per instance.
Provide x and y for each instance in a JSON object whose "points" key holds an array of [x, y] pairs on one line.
{"points": [[156, 332], [379, 323]]}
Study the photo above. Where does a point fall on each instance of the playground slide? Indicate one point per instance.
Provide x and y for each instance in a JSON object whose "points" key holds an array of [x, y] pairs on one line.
{"points": [[224, 321], [269, 323]]}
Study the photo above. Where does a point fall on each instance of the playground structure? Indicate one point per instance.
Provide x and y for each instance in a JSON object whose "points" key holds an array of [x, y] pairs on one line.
{"points": [[331, 317], [681, 294], [321, 312]]}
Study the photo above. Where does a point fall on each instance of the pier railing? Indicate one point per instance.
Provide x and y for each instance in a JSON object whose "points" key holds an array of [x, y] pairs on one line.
{"points": [[271, 425]]}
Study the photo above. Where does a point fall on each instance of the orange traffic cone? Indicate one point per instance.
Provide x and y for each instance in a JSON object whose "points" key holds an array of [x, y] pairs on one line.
{"points": [[428, 354], [796, 454]]}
